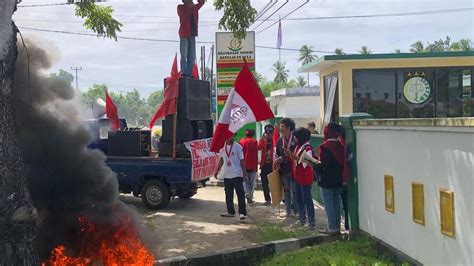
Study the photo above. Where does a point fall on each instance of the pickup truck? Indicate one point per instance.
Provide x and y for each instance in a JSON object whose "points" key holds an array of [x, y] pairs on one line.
{"points": [[155, 180]]}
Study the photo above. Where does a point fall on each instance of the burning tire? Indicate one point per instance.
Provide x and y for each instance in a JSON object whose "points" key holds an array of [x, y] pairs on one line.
{"points": [[155, 194]]}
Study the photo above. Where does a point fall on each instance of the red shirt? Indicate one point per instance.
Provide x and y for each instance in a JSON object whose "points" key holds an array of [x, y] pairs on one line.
{"points": [[303, 175], [185, 13], [250, 148], [262, 146]]}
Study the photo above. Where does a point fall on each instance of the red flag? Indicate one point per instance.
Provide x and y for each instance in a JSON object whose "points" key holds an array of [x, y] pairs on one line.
{"points": [[111, 111], [195, 71], [170, 95], [174, 68], [245, 104]]}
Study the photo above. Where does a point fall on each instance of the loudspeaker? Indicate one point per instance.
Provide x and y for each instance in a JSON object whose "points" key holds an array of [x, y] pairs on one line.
{"points": [[165, 149], [186, 130], [129, 143], [194, 101]]}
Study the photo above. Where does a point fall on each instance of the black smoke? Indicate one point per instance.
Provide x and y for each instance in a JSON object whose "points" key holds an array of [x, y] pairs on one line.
{"points": [[66, 180]]}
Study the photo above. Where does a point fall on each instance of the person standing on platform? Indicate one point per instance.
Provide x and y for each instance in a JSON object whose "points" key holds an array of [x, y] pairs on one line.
{"points": [[266, 160], [283, 163], [188, 13], [250, 148], [232, 159]]}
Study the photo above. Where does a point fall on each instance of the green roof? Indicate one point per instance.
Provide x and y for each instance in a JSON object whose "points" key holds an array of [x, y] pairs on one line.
{"points": [[326, 58]]}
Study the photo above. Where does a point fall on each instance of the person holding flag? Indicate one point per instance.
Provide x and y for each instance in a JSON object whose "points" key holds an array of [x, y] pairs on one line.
{"points": [[232, 158], [245, 104], [266, 145]]}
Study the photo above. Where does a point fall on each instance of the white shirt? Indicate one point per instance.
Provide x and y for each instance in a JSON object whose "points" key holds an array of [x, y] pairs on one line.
{"points": [[236, 154]]}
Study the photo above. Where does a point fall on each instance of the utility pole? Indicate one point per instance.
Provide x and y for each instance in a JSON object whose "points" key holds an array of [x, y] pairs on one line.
{"points": [[76, 69]]}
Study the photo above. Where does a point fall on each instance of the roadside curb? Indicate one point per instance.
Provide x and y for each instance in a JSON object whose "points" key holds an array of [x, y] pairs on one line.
{"points": [[247, 255]]}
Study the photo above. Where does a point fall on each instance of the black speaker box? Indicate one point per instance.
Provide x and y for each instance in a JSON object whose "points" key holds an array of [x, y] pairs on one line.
{"points": [[186, 130], [165, 149], [194, 101], [129, 143]]}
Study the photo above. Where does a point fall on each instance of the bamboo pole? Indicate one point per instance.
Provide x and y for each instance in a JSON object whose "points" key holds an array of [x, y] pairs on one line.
{"points": [[175, 118]]}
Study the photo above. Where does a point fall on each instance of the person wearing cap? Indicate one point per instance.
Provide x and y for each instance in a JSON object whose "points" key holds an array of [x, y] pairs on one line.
{"points": [[266, 146], [250, 148]]}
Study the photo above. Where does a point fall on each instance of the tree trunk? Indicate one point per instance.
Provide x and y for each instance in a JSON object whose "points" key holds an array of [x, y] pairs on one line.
{"points": [[17, 214]]}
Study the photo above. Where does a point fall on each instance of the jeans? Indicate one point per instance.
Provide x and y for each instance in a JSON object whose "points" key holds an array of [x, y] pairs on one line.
{"points": [[266, 169], [332, 206], [345, 206], [287, 188], [294, 199], [249, 184], [187, 48], [305, 200], [229, 185]]}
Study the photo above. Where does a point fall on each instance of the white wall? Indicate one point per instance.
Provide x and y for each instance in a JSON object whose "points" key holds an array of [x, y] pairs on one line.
{"points": [[438, 157], [296, 107]]}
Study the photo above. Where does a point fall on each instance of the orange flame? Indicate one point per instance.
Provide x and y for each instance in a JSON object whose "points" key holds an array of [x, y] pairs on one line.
{"points": [[104, 245]]}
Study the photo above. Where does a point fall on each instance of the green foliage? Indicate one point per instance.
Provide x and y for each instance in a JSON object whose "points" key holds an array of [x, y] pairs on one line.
{"points": [[281, 73], [131, 106], [364, 50], [99, 19], [300, 81], [238, 16], [268, 86], [339, 51], [62, 75], [361, 251], [306, 55], [442, 46]]}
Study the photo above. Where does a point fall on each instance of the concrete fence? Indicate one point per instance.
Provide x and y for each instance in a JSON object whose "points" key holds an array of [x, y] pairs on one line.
{"points": [[416, 186]]}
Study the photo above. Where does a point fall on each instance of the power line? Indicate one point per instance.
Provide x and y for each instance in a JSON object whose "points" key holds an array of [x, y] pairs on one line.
{"points": [[155, 40], [284, 4], [40, 5], [293, 11]]}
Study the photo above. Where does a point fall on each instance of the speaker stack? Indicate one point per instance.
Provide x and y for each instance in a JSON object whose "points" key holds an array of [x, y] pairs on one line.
{"points": [[194, 120]]}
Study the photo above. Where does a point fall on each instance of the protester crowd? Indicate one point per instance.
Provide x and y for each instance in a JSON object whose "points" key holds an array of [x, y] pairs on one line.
{"points": [[281, 149]]}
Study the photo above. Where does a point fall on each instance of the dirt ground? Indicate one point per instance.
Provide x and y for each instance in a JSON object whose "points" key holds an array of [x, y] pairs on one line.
{"points": [[194, 225]]}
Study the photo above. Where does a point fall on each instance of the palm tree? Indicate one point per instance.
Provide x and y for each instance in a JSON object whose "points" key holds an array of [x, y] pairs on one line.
{"points": [[281, 72], [339, 51], [461, 45], [300, 82], [364, 50], [417, 47], [306, 56]]}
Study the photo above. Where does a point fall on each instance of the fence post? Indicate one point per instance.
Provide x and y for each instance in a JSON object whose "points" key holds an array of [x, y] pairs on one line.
{"points": [[352, 186]]}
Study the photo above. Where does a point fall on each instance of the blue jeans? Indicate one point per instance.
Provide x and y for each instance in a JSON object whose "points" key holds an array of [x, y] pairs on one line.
{"points": [[305, 200], [188, 55], [287, 188], [294, 198], [249, 185], [332, 206]]}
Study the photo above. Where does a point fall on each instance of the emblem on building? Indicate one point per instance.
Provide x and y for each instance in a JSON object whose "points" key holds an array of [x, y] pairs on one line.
{"points": [[235, 45], [417, 90]]}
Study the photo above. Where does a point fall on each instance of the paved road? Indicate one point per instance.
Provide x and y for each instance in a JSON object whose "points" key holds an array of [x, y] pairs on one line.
{"points": [[194, 226]]}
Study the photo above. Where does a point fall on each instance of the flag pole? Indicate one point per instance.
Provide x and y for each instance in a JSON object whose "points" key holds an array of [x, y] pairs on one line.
{"points": [[175, 116]]}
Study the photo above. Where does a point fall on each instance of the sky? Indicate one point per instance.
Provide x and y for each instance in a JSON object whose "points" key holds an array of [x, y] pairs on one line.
{"points": [[124, 65]]}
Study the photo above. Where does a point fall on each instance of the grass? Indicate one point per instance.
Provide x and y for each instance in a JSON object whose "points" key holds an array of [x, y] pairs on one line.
{"points": [[278, 231], [361, 251]]}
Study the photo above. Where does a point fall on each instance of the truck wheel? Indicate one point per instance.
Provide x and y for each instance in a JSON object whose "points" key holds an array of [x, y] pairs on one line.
{"points": [[155, 194], [187, 195]]}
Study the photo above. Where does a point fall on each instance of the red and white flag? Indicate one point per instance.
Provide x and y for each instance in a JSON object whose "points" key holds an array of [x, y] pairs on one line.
{"points": [[245, 104], [111, 111], [195, 73], [170, 95]]}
